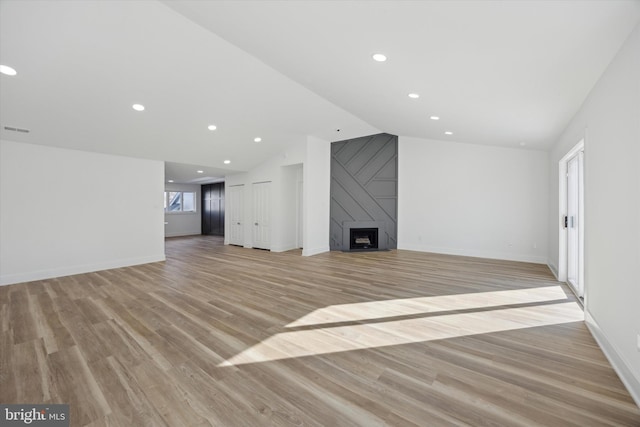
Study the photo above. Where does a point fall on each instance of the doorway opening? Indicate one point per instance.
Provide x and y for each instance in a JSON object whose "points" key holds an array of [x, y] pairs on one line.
{"points": [[571, 227]]}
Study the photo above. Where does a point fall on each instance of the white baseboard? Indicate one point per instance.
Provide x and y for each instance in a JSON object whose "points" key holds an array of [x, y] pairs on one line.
{"points": [[11, 279], [477, 254], [619, 364], [190, 233], [283, 248], [554, 269], [314, 251]]}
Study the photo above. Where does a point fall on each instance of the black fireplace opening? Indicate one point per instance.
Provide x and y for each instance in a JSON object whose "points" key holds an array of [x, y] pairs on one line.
{"points": [[363, 239]]}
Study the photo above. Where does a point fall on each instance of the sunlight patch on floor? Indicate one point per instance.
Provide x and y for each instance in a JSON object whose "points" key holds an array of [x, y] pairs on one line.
{"points": [[408, 306], [325, 340]]}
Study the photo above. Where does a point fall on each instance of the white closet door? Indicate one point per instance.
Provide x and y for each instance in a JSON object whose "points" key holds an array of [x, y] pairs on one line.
{"points": [[262, 215], [235, 209]]}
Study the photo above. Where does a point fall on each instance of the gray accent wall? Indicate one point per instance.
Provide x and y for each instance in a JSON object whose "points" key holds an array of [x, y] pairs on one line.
{"points": [[364, 186]]}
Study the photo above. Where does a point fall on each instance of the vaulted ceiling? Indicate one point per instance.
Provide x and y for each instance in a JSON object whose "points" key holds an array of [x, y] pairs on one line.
{"points": [[509, 73]]}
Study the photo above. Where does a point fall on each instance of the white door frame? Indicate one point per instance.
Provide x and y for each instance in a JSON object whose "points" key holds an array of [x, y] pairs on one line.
{"points": [[562, 203], [299, 213]]}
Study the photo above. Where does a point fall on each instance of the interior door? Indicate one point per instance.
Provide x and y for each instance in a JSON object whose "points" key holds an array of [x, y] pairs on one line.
{"points": [[235, 209], [206, 209], [575, 223], [262, 215], [217, 218], [213, 209]]}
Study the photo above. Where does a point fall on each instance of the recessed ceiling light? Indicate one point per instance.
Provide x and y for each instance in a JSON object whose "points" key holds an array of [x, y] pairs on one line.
{"points": [[258, 139], [414, 95], [212, 127], [6, 70], [448, 132], [379, 57], [138, 107], [200, 171], [434, 118], [226, 162], [170, 180]]}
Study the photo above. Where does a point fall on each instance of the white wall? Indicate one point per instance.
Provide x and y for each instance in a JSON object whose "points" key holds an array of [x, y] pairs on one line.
{"points": [[473, 200], [609, 120], [184, 223], [65, 212], [316, 204]]}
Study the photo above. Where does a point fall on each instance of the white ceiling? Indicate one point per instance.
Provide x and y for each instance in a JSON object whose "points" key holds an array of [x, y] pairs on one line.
{"points": [[180, 173], [496, 72], [82, 64]]}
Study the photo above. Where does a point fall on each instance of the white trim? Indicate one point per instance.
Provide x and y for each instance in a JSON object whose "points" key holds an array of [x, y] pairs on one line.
{"points": [[621, 367], [299, 213], [476, 254], [314, 251], [11, 279], [284, 248], [562, 209], [581, 222], [181, 212], [179, 234], [554, 269]]}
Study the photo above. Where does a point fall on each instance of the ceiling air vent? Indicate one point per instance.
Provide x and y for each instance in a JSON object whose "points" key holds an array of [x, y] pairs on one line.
{"points": [[16, 129]]}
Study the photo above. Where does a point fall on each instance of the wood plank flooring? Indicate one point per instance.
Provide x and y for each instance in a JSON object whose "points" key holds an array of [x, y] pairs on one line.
{"points": [[226, 336]]}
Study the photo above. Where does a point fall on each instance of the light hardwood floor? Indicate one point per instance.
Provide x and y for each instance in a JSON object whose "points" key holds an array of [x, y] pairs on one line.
{"points": [[227, 336]]}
